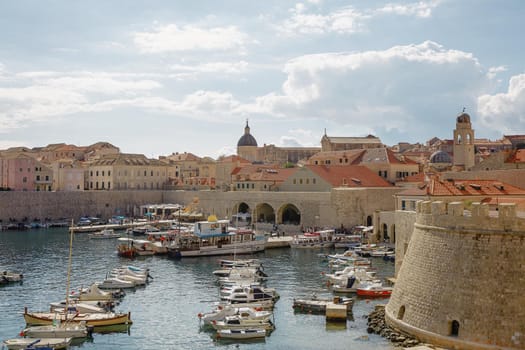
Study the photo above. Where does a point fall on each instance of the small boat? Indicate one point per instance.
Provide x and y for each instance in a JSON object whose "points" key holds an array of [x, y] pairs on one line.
{"points": [[115, 283], [313, 240], [318, 305], [222, 312], [246, 333], [60, 330], [31, 343], [9, 276], [234, 322], [93, 319], [374, 290], [104, 234], [74, 307]]}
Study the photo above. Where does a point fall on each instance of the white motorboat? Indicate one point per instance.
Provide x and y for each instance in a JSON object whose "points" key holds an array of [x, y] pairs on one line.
{"points": [[251, 294], [60, 330], [313, 240], [93, 293], [74, 307], [235, 322], [228, 264], [246, 333], [104, 234], [223, 311], [115, 283], [23, 343]]}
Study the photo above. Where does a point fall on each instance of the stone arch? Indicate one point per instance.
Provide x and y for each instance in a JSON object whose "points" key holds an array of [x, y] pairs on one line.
{"points": [[241, 214], [454, 328], [401, 312], [264, 212], [458, 140], [289, 214]]}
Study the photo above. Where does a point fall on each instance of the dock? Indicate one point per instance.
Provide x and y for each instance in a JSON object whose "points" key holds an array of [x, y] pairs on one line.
{"points": [[121, 227]]}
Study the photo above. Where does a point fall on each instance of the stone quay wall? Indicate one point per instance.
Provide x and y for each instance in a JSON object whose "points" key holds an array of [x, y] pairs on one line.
{"points": [[461, 282], [343, 206]]}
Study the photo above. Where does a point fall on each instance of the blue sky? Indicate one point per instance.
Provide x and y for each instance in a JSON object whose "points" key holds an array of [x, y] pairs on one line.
{"points": [[159, 77]]}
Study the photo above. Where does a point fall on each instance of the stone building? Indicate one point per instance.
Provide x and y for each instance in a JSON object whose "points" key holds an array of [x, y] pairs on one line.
{"points": [[460, 284], [333, 143], [21, 172], [270, 154], [126, 171]]}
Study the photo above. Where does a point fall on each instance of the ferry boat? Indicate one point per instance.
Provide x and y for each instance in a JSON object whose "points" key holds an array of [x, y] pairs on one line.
{"points": [[314, 240], [216, 237]]}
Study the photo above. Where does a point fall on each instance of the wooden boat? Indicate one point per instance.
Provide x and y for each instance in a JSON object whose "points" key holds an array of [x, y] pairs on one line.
{"points": [[93, 319], [30, 343], [246, 333], [375, 290], [62, 330]]}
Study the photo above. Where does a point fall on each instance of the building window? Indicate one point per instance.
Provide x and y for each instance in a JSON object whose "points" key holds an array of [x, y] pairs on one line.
{"points": [[294, 181], [38, 178], [97, 173], [253, 186], [96, 185], [91, 173], [313, 181], [47, 177], [238, 185], [403, 205], [102, 172], [145, 172], [91, 185], [307, 181], [24, 179], [21, 170], [152, 173], [102, 185]]}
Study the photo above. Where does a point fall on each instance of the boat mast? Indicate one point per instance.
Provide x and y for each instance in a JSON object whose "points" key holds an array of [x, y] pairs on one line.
{"points": [[71, 231]]}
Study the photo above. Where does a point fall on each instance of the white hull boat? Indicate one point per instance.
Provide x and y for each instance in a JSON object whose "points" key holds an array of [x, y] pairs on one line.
{"points": [[23, 343], [247, 333], [63, 330], [115, 283], [222, 312]]}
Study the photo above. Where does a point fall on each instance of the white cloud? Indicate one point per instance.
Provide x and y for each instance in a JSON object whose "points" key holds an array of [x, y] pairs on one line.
{"points": [[346, 20], [505, 112], [493, 71], [213, 67], [171, 38], [349, 20], [422, 9], [387, 89]]}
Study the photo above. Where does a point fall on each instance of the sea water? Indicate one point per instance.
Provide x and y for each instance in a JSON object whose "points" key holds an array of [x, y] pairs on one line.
{"points": [[165, 312]]}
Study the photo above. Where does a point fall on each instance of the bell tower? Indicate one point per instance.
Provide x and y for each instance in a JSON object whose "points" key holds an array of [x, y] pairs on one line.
{"points": [[463, 142]]}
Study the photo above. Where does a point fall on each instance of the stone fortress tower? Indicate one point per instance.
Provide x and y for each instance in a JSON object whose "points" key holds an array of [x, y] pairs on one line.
{"points": [[463, 143], [247, 145], [461, 284]]}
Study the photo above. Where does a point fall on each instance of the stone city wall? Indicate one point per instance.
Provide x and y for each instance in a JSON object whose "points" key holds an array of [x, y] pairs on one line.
{"points": [[461, 282], [341, 206]]}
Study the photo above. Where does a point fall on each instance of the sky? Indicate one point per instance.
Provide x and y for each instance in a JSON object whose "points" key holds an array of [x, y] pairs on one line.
{"points": [[159, 77]]}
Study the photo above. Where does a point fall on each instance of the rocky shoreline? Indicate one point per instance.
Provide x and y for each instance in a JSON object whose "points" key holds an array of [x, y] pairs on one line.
{"points": [[376, 324]]}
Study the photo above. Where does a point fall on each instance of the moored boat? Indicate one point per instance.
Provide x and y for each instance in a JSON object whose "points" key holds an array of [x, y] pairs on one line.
{"points": [[215, 237], [374, 290], [104, 234], [31, 343], [245, 333], [92, 319], [62, 330]]}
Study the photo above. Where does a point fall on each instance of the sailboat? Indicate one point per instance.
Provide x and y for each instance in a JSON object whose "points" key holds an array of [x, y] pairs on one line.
{"points": [[72, 316]]}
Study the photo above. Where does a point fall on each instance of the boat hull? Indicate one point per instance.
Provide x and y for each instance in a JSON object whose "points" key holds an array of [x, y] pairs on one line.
{"points": [[95, 320], [23, 343], [374, 293], [253, 247]]}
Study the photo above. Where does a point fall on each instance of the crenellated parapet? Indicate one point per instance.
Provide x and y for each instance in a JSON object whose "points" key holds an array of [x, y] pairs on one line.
{"points": [[454, 216]]}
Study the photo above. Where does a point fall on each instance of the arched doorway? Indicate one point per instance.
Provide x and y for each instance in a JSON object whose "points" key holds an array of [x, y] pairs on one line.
{"points": [[241, 215], [289, 214], [454, 328], [369, 220], [264, 213]]}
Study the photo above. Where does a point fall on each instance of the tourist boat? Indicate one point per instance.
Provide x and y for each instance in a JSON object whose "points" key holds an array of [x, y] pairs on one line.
{"points": [[246, 333], [374, 290], [31, 343], [347, 241], [104, 234], [313, 240], [215, 237], [61, 330], [92, 319]]}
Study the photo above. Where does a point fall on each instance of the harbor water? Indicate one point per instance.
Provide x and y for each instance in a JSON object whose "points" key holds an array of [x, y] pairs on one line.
{"points": [[164, 313]]}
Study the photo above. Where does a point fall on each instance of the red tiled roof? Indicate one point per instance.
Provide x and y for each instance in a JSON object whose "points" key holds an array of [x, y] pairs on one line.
{"points": [[417, 178], [349, 176], [438, 187]]}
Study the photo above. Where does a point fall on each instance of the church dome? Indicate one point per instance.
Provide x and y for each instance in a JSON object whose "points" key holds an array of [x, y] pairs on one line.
{"points": [[440, 157], [247, 139], [463, 118]]}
